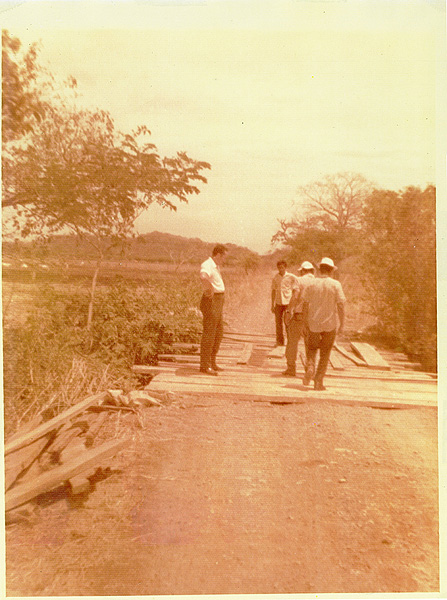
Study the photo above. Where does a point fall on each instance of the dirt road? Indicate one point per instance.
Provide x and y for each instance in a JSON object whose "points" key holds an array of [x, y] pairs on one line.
{"points": [[226, 496]]}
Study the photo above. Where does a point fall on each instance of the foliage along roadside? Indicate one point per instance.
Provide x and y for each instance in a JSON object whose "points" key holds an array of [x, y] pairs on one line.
{"points": [[393, 237], [50, 361]]}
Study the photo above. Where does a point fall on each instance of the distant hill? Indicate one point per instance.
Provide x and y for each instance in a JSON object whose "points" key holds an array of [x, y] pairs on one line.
{"points": [[149, 247]]}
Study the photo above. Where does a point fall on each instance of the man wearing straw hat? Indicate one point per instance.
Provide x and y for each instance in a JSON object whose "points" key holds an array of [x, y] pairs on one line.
{"points": [[294, 316], [324, 317]]}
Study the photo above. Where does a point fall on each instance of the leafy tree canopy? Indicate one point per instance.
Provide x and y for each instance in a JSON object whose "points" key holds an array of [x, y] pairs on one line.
{"points": [[82, 175], [333, 204], [327, 218], [22, 102]]}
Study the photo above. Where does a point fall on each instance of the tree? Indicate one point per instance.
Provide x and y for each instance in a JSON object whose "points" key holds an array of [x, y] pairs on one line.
{"points": [[399, 263], [22, 102], [327, 218], [335, 203], [80, 174]]}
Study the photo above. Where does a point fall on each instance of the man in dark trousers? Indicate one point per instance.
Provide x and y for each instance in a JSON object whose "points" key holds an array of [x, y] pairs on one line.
{"points": [[281, 295], [211, 306], [323, 316], [293, 317]]}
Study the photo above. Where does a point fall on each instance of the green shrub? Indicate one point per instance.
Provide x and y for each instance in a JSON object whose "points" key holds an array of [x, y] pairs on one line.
{"points": [[52, 360], [399, 262], [133, 325]]}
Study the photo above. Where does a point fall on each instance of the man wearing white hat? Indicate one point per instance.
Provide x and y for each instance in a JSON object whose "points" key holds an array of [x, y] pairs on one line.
{"points": [[324, 317], [294, 316]]}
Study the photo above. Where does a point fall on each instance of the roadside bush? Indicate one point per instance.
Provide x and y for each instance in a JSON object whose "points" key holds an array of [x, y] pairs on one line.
{"points": [[399, 264], [133, 325], [52, 361]]}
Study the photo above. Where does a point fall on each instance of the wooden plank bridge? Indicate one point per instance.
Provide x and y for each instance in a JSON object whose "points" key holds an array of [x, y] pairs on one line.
{"points": [[358, 375]]}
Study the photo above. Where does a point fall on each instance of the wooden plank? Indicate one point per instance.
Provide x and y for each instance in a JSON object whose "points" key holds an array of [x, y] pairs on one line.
{"points": [[51, 479], [181, 359], [223, 353], [249, 340], [187, 346], [74, 449], [245, 354], [48, 426], [258, 356], [94, 428], [28, 426], [357, 361], [16, 462], [63, 439], [301, 394], [79, 484], [405, 364], [336, 362], [278, 352], [254, 335], [370, 356], [277, 381], [265, 370], [278, 386], [152, 369]]}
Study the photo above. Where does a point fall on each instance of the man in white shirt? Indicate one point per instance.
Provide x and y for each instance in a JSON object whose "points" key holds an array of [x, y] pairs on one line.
{"points": [[324, 302], [293, 316], [281, 295], [211, 306]]}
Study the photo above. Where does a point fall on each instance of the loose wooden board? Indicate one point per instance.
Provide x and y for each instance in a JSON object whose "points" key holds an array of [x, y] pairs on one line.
{"points": [[278, 352], [267, 369], [278, 387], [268, 336], [79, 484], [258, 357], [16, 462], [370, 355], [253, 377], [245, 354], [195, 360], [54, 423], [263, 395], [355, 359], [336, 361], [51, 479]]}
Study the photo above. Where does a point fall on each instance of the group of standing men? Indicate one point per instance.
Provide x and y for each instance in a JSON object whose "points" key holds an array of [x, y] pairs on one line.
{"points": [[310, 307]]}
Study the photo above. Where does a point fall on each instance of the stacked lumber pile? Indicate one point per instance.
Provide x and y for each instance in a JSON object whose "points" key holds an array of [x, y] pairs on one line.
{"points": [[61, 451]]}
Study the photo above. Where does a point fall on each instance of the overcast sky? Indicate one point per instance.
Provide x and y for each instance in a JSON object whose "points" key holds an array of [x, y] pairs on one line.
{"points": [[274, 95]]}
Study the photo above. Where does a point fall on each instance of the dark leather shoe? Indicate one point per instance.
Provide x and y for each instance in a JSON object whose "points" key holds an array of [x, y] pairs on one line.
{"points": [[208, 372], [308, 376], [216, 368], [319, 387], [288, 373]]}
